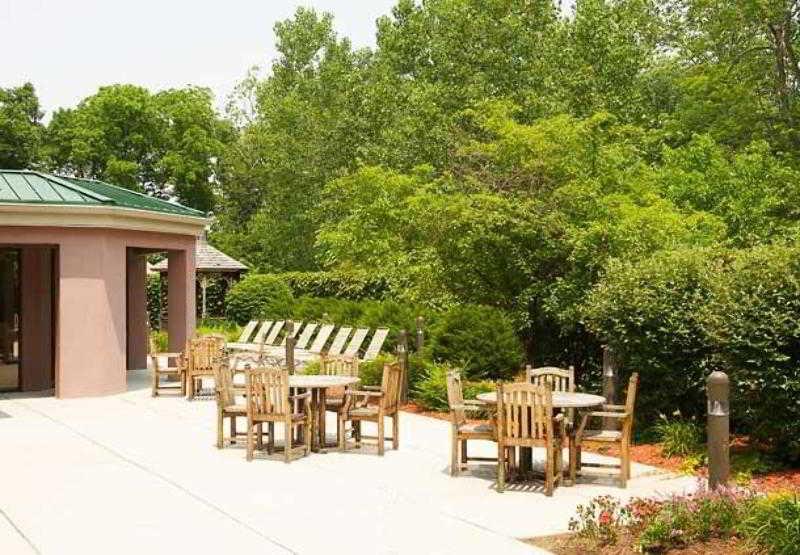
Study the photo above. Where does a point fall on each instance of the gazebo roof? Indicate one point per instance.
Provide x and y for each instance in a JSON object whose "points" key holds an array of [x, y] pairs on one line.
{"points": [[27, 187], [208, 259]]}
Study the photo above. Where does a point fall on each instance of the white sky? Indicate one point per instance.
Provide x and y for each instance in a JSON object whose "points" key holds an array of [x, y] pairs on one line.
{"points": [[69, 48]]}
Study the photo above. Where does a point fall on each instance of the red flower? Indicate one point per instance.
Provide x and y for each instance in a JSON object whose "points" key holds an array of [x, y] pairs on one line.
{"points": [[605, 518]]}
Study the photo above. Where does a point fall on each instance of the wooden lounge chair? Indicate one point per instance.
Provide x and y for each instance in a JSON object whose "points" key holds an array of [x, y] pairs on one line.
{"points": [[623, 413], [321, 339], [171, 366], [247, 332], [339, 341], [226, 404], [273, 334], [355, 343], [525, 419], [293, 333], [305, 337], [374, 347], [262, 332], [375, 406], [463, 431], [268, 402]]}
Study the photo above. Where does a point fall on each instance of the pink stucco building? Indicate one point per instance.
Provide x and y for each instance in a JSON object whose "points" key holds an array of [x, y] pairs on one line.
{"points": [[72, 281]]}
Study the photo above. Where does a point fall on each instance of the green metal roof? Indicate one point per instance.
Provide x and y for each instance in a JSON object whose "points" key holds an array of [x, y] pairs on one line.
{"points": [[31, 187]]}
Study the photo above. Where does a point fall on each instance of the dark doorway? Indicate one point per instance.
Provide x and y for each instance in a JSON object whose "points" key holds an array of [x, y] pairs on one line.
{"points": [[9, 319]]}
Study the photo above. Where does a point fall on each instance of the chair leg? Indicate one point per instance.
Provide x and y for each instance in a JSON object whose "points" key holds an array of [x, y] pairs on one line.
{"points": [[573, 451], [501, 467], [396, 430], [357, 432], [381, 447], [249, 440], [455, 462], [464, 455], [220, 429], [271, 438], [233, 428], [287, 451], [259, 431], [548, 472], [155, 383], [308, 435], [624, 466], [183, 385], [341, 433]]}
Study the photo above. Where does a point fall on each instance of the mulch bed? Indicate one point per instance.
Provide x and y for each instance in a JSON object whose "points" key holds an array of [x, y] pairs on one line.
{"points": [[568, 544]]}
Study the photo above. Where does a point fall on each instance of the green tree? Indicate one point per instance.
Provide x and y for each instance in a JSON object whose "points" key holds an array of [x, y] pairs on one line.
{"points": [[20, 127]]}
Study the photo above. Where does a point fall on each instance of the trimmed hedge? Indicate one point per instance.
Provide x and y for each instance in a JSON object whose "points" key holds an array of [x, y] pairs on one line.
{"points": [[339, 284]]}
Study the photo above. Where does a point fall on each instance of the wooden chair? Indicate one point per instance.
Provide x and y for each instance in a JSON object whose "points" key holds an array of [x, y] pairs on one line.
{"points": [[337, 366], [623, 413], [374, 406], [261, 335], [339, 341], [559, 379], [525, 419], [269, 401], [305, 337], [204, 354], [463, 431], [226, 403], [273, 333], [171, 366], [355, 343]]}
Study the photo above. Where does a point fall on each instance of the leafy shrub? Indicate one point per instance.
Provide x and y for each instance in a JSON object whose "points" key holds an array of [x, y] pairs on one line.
{"points": [[217, 325], [160, 340], [679, 437], [753, 320], [479, 339], [258, 296], [773, 524], [431, 390], [600, 520], [352, 285]]}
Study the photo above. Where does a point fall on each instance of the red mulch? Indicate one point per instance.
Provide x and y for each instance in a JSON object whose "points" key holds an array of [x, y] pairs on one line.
{"points": [[568, 544]]}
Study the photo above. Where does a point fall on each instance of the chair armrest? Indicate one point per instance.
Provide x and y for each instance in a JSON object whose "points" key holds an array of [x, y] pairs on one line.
{"points": [[371, 387], [602, 414], [614, 407], [362, 393], [475, 408], [306, 395], [475, 402], [559, 417], [168, 355]]}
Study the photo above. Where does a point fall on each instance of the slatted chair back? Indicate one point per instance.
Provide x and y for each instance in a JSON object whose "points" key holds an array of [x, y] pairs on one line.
{"points": [[339, 341], [325, 332], [247, 332], [204, 355], [338, 366], [355, 343], [262, 332], [267, 391], [455, 397], [305, 337], [218, 338], [223, 382], [559, 379], [374, 347], [524, 413], [293, 333], [273, 333], [390, 386]]}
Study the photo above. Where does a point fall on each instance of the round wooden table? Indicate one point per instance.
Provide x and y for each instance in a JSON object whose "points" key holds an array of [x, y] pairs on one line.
{"points": [[318, 385], [561, 400]]}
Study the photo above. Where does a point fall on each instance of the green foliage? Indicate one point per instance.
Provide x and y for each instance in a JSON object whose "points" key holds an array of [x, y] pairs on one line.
{"points": [[773, 524], [230, 330], [479, 339], [679, 437], [599, 520], [160, 341], [20, 127], [258, 296], [353, 285]]}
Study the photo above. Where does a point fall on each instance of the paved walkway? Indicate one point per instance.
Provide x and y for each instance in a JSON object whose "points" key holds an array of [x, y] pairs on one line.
{"points": [[132, 474]]}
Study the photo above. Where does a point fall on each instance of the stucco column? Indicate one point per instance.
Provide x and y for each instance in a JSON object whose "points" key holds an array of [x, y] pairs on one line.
{"points": [[91, 355], [181, 298], [36, 325], [137, 309]]}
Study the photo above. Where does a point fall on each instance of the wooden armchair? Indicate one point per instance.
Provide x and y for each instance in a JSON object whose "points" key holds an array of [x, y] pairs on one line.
{"points": [[525, 419], [624, 414], [205, 354], [226, 403], [269, 401], [375, 406], [463, 431], [337, 366], [171, 366], [558, 379]]}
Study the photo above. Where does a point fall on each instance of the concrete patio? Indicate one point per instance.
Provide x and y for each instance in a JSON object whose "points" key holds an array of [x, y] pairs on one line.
{"points": [[133, 474]]}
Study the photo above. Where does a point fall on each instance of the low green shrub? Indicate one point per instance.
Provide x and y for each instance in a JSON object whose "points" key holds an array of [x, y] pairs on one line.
{"points": [[479, 339], [352, 285], [229, 329], [160, 340], [258, 296], [680, 436], [773, 524]]}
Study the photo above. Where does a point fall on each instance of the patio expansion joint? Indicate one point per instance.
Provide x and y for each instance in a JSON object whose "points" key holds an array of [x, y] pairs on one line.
{"points": [[154, 474], [19, 531]]}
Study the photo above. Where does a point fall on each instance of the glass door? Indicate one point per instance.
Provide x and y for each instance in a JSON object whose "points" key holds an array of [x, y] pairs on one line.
{"points": [[9, 319]]}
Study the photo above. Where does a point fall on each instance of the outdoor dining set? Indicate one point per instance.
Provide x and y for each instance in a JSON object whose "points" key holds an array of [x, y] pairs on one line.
{"points": [[261, 383]]}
